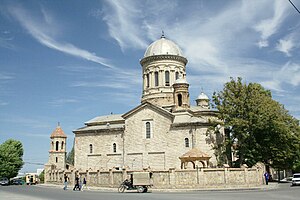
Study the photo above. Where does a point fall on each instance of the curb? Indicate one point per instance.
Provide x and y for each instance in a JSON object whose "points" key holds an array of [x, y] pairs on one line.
{"points": [[272, 186]]}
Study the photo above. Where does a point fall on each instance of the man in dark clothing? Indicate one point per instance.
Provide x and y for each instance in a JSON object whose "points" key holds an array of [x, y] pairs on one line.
{"points": [[65, 181], [266, 175], [76, 187]]}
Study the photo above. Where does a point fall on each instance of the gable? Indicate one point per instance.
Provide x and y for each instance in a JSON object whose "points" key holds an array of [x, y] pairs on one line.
{"points": [[148, 106]]}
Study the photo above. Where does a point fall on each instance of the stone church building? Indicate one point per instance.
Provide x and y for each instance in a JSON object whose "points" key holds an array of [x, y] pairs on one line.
{"points": [[165, 131]]}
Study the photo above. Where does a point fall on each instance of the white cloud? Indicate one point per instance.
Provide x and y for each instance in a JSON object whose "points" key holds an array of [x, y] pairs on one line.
{"points": [[25, 121], [43, 32], [117, 80], [290, 73], [63, 101], [215, 45], [116, 85], [285, 46], [6, 76], [121, 18], [2, 103], [287, 74], [272, 85], [268, 27], [262, 43], [6, 38]]}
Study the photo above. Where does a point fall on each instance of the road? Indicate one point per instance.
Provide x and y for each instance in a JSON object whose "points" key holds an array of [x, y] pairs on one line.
{"points": [[284, 191]]}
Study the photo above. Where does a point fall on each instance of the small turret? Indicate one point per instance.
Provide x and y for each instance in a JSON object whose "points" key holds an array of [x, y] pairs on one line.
{"points": [[202, 100], [181, 94]]}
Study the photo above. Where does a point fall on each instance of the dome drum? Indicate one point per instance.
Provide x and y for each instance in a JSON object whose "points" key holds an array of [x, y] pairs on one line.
{"points": [[149, 59], [162, 64]]}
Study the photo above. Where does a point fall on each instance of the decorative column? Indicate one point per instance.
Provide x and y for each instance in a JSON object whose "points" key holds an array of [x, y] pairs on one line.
{"points": [[160, 77]]}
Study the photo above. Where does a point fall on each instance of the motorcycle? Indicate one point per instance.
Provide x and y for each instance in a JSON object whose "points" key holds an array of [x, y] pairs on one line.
{"points": [[127, 185]]}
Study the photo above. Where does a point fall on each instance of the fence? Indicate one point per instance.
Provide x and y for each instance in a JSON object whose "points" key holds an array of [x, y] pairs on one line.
{"points": [[175, 179]]}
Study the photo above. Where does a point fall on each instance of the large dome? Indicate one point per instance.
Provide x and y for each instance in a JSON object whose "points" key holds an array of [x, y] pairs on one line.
{"points": [[163, 46]]}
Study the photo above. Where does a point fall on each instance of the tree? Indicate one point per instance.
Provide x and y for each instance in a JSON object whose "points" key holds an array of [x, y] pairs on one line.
{"points": [[260, 128], [11, 152], [42, 176], [70, 157]]}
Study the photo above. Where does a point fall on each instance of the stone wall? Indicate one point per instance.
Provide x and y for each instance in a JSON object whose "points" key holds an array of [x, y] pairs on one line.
{"points": [[175, 179]]}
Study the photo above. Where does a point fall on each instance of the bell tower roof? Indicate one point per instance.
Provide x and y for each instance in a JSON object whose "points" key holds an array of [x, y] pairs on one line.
{"points": [[58, 133]]}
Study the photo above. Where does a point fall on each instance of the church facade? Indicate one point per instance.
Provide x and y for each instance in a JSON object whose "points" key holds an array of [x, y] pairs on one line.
{"points": [[163, 132]]}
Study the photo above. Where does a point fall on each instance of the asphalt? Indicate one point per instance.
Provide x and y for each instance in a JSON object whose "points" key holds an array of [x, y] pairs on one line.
{"points": [[271, 186]]}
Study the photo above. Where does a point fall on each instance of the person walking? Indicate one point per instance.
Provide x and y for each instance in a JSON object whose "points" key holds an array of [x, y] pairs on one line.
{"points": [[84, 184], [66, 178], [267, 176], [76, 186]]}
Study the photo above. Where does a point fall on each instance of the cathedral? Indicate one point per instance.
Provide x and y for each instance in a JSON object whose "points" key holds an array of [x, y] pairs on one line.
{"points": [[164, 132]]}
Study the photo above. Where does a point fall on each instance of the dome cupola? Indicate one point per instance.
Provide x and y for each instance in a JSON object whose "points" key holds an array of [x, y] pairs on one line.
{"points": [[163, 46], [202, 100]]}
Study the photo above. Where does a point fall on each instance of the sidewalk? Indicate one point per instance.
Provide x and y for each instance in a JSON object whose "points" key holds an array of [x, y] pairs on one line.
{"points": [[271, 186]]}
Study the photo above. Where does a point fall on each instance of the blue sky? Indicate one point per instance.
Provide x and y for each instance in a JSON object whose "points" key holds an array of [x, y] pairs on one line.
{"points": [[69, 61]]}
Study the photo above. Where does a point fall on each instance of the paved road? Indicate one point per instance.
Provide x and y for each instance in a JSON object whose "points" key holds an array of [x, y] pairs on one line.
{"points": [[284, 191]]}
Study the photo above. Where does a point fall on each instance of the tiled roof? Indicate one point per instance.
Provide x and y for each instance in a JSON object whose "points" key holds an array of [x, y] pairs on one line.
{"points": [[58, 132], [195, 153], [105, 119]]}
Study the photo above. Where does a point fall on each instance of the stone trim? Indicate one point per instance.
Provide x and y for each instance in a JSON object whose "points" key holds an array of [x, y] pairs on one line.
{"points": [[97, 154], [148, 59], [156, 152], [106, 131], [134, 153], [187, 124], [113, 154]]}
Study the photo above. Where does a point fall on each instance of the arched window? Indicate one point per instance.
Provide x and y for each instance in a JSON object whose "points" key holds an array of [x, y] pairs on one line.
{"points": [[114, 147], [156, 78], [148, 130], [176, 75], [62, 145], [187, 143], [52, 145], [167, 78], [147, 80], [56, 146], [179, 96], [56, 159], [91, 148]]}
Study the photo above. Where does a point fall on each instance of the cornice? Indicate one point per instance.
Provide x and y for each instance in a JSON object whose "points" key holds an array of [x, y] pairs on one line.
{"points": [[163, 57]]}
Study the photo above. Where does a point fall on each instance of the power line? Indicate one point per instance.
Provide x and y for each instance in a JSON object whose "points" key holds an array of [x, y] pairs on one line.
{"points": [[34, 163], [294, 6]]}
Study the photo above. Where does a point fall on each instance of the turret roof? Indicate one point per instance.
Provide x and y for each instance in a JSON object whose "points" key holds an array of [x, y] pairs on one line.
{"points": [[58, 132]]}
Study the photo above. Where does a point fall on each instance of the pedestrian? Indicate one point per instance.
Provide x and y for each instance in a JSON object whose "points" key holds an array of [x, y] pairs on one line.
{"points": [[66, 178], [76, 186], [80, 183], [267, 176], [84, 184]]}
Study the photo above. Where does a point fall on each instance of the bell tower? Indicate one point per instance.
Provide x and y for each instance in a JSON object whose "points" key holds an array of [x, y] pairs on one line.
{"points": [[181, 95], [57, 152]]}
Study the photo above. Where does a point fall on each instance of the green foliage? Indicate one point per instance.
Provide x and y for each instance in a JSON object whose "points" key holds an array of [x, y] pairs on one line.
{"points": [[70, 157], [42, 176], [296, 167], [216, 140], [261, 130], [11, 152]]}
